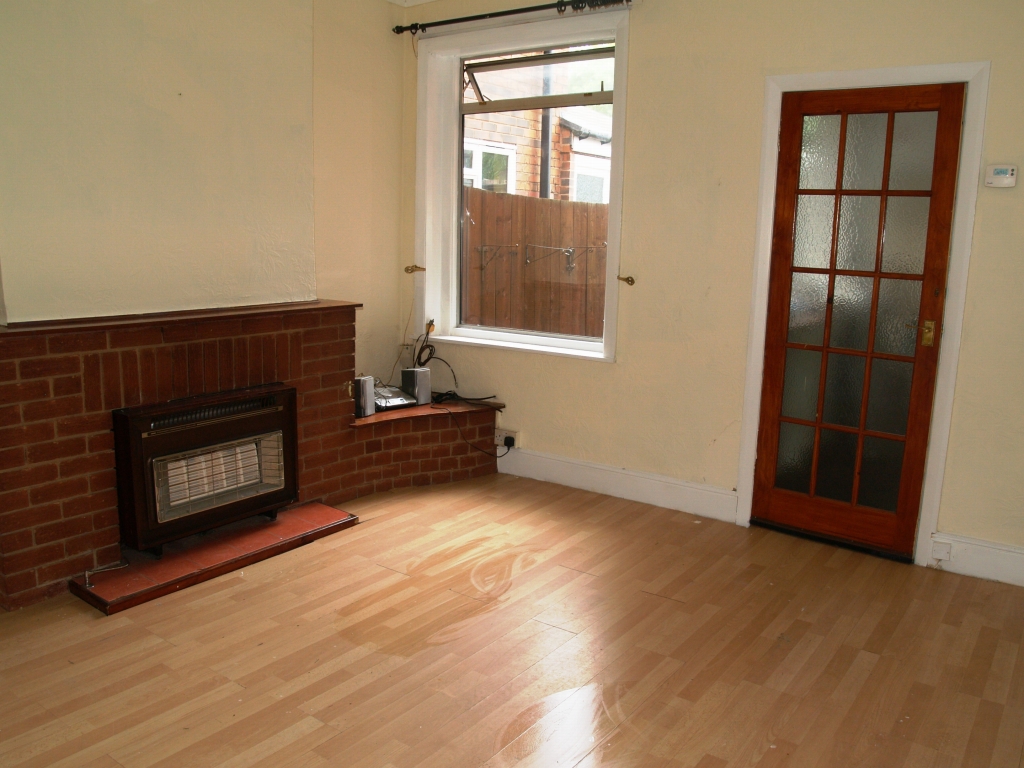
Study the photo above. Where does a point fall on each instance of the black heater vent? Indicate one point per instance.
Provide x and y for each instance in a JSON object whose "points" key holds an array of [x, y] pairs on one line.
{"points": [[212, 412]]}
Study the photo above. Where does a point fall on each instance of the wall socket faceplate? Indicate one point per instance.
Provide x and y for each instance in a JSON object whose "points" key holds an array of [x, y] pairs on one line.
{"points": [[501, 434]]}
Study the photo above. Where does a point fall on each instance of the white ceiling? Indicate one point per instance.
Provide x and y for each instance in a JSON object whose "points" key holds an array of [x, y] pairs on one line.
{"points": [[408, 3]]}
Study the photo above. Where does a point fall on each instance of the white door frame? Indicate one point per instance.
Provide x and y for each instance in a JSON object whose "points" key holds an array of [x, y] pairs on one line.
{"points": [[976, 75]]}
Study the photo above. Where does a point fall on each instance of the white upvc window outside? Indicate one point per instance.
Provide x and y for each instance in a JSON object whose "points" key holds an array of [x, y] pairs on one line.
{"points": [[488, 165], [460, 152]]}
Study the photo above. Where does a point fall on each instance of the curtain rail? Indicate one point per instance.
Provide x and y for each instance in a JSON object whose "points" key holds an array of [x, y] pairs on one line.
{"points": [[560, 5]]}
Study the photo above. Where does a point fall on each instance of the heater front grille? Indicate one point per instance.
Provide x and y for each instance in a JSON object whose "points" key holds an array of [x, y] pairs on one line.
{"points": [[193, 481]]}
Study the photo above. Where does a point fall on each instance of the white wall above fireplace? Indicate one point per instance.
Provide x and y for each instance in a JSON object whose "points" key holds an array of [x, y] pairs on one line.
{"points": [[156, 156]]}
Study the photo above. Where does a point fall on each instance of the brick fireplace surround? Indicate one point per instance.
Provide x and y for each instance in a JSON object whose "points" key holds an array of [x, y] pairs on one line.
{"points": [[59, 382]]}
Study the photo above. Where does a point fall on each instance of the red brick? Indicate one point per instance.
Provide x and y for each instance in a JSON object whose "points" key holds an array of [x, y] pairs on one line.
{"points": [[210, 373], [295, 354], [400, 456], [102, 481], [178, 332], [164, 372], [403, 482], [104, 519], [372, 446], [421, 479], [15, 542], [329, 365], [219, 329], [14, 347], [11, 501], [10, 414], [440, 451], [390, 443], [147, 376], [56, 450], [342, 378], [382, 486], [265, 324], [33, 558], [430, 438], [30, 596], [179, 371], [24, 391], [306, 384], [63, 489], [301, 320], [310, 476], [147, 336], [460, 449], [319, 335], [409, 441], [321, 428], [364, 462], [8, 371], [52, 409], [314, 399], [108, 555], [92, 382], [84, 465], [409, 467], [392, 469], [72, 507], [110, 365], [90, 542], [255, 360], [373, 475], [196, 368], [384, 457], [79, 425], [351, 451], [319, 459], [63, 529], [130, 377], [449, 463], [20, 582], [29, 476], [12, 457], [440, 477], [104, 442], [67, 385], [49, 366], [66, 568], [77, 342]]}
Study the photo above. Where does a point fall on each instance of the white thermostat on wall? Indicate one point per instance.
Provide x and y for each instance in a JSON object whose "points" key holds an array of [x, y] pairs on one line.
{"points": [[1001, 176]]}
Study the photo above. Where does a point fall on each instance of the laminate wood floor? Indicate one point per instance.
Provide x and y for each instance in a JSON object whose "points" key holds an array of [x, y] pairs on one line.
{"points": [[507, 622]]}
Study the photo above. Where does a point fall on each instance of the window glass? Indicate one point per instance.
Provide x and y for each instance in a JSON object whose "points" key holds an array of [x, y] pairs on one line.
{"points": [[535, 202]]}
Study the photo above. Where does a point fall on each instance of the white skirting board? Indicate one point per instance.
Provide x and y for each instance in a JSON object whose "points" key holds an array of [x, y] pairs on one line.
{"points": [[660, 490], [976, 557], [971, 557]]}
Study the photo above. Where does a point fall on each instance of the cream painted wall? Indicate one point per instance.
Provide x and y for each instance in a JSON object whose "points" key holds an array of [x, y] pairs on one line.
{"points": [[357, 119], [671, 403], [154, 155]]}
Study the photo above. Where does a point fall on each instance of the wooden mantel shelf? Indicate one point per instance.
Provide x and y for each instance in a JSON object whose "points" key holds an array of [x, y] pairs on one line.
{"points": [[434, 409], [169, 318]]}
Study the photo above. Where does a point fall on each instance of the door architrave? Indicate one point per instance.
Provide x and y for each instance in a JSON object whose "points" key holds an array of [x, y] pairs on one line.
{"points": [[976, 75]]}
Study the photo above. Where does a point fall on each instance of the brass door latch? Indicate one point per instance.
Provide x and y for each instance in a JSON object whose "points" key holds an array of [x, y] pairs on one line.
{"points": [[927, 332], [414, 268]]}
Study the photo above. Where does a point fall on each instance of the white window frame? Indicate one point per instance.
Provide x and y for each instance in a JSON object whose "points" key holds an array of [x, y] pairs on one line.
{"points": [[590, 165], [478, 147], [439, 174]]}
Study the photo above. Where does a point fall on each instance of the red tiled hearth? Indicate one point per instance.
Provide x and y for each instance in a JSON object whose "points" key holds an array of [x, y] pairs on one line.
{"points": [[60, 381], [206, 556]]}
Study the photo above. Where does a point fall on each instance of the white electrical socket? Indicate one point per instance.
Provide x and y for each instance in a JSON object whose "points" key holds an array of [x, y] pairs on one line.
{"points": [[501, 434], [941, 550]]}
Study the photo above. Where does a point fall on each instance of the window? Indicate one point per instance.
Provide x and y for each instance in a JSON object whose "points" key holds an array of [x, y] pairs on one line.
{"points": [[487, 166], [518, 179]]}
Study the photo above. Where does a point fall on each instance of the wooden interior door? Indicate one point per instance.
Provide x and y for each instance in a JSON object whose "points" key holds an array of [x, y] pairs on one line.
{"points": [[863, 208]]}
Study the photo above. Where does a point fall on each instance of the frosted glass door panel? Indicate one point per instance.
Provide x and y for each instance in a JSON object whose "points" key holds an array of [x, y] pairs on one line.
{"points": [[844, 387], [837, 458], [819, 152], [858, 233], [865, 151], [889, 396], [880, 467], [813, 240], [800, 390], [913, 150], [808, 297], [899, 303], [796, 449], [906, 234], [851, 312]]}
